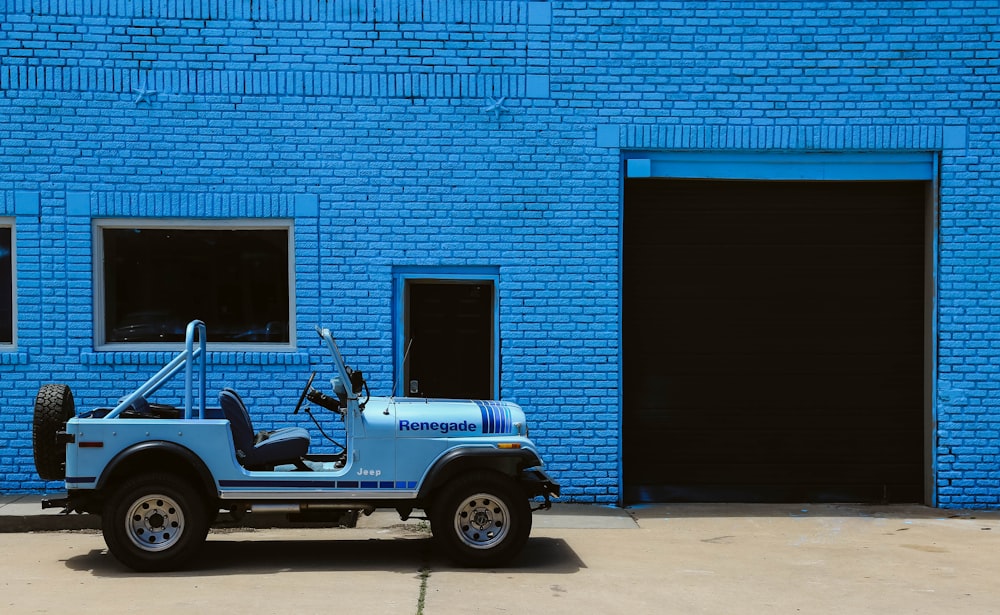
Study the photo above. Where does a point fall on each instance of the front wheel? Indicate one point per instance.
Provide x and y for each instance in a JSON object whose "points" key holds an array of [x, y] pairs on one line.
{"points": [[481, 519], [155, 522]]}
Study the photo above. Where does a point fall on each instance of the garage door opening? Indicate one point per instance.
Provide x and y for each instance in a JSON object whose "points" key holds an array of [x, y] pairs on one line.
{"points": [[774, 340]]}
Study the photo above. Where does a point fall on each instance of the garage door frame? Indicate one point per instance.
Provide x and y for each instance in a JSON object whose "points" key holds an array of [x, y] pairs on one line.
{"points": [[808, 166]]}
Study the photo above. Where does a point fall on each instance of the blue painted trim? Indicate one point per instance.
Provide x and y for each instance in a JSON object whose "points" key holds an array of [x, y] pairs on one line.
{"points": [[536, 86], [638, 167], [403, 274], [78, 204], [607, 136], [621, 318], [448, 272], [306, 205], [792, 166], [27, 203], [159, 357], [955, 137], [930, 448], [539, 14], [924, 136]]}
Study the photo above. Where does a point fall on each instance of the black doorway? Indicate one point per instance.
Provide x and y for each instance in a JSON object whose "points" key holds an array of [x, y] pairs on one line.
{"points": [[449, 331], [773, 340]]}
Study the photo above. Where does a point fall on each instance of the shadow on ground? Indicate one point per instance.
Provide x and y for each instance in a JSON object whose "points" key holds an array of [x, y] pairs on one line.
{"points": [[227, 555]]}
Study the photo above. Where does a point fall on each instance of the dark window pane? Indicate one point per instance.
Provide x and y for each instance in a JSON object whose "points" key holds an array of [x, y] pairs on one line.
{"points": [[156, 280], [6, 287]]}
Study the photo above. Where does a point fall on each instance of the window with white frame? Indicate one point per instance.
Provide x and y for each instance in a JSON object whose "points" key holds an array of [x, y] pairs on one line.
{"points": [[154, 278], [6, 284]]}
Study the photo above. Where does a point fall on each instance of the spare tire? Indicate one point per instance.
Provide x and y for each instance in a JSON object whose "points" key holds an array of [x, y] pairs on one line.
{"points": [[53, 407]]}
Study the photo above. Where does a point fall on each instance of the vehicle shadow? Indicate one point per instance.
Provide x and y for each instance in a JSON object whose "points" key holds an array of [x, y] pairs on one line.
{"points": [[224, 555]]}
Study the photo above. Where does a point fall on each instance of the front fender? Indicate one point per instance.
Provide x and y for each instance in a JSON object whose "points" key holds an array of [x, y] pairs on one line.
{"points": [[465, 458]]}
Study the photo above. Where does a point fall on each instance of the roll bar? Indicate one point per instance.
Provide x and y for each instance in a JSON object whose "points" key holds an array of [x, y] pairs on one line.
{"points": [[185, 360]]}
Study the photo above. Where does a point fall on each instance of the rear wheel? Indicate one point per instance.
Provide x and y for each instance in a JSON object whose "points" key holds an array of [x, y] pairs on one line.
{"points": [[155, 522], [54, 406], [481, 519]]}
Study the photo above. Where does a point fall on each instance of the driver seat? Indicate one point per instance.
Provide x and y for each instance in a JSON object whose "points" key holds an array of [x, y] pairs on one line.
{"points": [[264, 449]]}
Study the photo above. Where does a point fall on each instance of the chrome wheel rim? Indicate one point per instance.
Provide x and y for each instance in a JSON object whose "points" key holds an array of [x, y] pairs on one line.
{"points": [[482, 521], [154, 522]]}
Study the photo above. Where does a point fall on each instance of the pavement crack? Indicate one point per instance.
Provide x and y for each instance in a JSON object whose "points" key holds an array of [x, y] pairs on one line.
{"points": [[425, 573]]}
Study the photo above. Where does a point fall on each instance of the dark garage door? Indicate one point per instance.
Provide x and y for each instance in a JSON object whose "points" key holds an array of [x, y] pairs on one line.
{"points": [[773, 340]]}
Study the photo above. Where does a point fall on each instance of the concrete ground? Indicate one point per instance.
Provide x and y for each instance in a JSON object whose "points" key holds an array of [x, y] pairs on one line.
{"points": [[690, 559]]}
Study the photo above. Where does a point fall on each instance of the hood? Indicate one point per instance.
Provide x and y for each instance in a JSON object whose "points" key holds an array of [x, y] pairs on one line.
{"points": [[421, 418]]}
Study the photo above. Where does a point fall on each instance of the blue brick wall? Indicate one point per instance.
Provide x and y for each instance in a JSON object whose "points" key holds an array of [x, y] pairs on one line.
{"points": [[471, 133]]}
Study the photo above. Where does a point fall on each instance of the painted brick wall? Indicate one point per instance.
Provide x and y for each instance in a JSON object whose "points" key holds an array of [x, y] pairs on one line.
{"points": [[471, 133]]}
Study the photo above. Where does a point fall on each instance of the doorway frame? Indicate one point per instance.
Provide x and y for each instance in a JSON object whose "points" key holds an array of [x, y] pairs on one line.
{"points": [[403, 276], [808, 165]]}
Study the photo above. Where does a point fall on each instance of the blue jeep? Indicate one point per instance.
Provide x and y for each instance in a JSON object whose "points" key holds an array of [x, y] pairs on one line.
{"points": [[160, 474]]}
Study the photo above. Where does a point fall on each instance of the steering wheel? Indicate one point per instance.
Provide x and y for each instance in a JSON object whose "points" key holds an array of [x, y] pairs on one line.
{"points": [[302, 397]]}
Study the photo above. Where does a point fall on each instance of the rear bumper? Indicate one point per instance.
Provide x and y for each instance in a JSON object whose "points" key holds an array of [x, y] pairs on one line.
{"points": [[55, 503], [75, 500]]}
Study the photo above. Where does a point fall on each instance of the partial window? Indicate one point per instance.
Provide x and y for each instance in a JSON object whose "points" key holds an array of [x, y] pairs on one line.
{"points": [[156, 279], [6, 285]]}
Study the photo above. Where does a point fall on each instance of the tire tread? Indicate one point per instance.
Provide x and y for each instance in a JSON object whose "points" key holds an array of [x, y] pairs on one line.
{"points": [[454, 492], [54, 406]]}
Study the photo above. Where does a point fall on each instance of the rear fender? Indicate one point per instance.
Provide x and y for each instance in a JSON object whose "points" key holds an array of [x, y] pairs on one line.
{"points": [[158, 456]]}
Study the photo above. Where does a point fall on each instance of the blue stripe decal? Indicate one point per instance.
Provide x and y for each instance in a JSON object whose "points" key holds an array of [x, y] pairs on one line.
{"points": [[496, 417], [315, 484], [319, 484], [486, 418]]}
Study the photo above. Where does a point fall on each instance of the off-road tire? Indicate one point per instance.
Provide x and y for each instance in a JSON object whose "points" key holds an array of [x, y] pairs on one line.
{"points": [[53, 407], [481, 519], [155, 522]]}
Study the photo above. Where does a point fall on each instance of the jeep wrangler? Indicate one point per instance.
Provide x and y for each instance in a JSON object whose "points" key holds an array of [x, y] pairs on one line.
{"points": [[159, 475]]}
